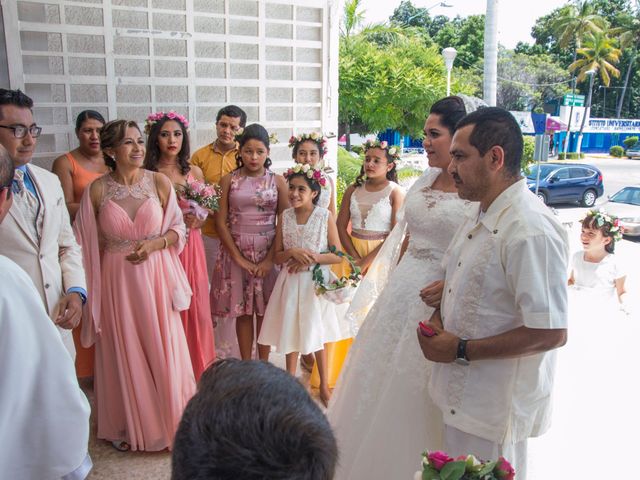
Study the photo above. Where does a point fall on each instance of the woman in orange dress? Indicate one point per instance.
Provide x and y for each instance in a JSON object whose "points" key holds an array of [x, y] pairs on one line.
{"points": [[76, 170]]}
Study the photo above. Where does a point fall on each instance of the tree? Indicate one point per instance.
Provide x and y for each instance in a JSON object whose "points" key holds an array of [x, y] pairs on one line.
{"points": [[629, 35], [527, 80], [466, 35], [352, 18], [599, 55]]}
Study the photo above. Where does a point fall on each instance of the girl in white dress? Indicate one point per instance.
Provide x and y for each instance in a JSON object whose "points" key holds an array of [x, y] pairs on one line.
{"points": [[595, 268], [296, 319], [381, 411]]}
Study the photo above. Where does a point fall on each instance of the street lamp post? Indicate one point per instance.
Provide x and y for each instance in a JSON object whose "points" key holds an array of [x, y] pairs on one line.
{"points": [[587, 108], [449, 55]]}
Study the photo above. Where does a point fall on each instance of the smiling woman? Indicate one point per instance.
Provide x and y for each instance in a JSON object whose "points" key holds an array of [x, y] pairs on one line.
{"points": [[137, 288]]}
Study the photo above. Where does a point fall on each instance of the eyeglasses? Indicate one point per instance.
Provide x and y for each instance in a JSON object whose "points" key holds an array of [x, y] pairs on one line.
{"points": [[20, 131]]}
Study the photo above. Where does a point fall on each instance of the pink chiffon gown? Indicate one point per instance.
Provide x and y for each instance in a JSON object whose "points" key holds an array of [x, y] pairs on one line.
{"points": [[197, 323], [143, 373], [253, 206]]}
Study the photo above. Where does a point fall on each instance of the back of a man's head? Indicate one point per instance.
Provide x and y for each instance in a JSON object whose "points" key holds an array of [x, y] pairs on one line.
{"points": [[251, 420]]}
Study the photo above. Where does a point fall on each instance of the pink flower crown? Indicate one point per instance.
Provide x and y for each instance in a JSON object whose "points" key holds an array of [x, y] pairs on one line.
{"points": [[156, 117], [393, 150], [318, 138], [312, 173]]}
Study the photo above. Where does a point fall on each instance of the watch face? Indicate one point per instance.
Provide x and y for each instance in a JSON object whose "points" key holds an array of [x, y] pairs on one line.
{"points": [[462, 361]]}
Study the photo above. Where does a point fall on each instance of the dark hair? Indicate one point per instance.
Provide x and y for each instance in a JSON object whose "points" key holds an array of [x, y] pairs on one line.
{"points": [[254, 131], [317, 143], [590, 222], [496, 126], [152, 155], [7, 169], [392, 175], [450, 110], [87, 115], [111, 136], [313, 185], [233, 111], [252, 420], [15, 98]]}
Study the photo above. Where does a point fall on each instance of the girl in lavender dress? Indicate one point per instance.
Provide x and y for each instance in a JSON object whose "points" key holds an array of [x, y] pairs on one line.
{"points": [[244, 275]]}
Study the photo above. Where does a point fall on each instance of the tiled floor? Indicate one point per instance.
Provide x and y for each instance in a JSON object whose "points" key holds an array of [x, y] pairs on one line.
{"points": [[110, 464]]}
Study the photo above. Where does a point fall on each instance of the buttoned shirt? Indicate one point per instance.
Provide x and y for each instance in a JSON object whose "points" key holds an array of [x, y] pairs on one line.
{"points": [[214, 165], [504, 270]]}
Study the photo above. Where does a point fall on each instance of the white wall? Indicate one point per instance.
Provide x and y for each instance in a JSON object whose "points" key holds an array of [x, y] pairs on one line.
{"points": [[277, 59]]}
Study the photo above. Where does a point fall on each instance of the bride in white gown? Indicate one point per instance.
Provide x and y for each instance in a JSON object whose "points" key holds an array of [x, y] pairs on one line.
{"points": [[381, 411]]}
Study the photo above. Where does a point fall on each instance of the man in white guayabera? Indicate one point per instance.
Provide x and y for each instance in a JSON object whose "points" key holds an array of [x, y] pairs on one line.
{"points": [[504, 305]]}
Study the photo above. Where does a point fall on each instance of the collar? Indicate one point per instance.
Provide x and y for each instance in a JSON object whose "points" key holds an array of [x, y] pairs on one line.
{"points": [[213, 148], [501, 204], [22, 167]]}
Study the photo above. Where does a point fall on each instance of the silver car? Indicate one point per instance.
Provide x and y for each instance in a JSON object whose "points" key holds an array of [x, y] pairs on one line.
{"points": [[633, 152], [625, 205]]}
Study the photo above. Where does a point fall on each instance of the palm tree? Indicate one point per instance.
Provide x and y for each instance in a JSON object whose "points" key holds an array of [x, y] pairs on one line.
{"points": [[352, 18], [575, 21], [629, 36], [599, 55]]}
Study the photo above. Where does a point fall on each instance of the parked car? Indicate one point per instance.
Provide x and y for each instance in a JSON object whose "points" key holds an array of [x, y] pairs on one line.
{"points": [[567, 182], [634, 152], [625, 204]]}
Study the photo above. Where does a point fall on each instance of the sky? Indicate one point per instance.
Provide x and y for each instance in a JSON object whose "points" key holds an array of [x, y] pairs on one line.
{"points": [[515, 18]]}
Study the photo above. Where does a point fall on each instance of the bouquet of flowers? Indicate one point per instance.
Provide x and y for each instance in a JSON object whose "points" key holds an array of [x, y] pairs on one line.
{"points": [[203, 198], [440, 466]]}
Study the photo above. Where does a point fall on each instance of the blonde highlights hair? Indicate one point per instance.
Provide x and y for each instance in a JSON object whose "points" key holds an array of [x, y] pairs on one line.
{"points": [[112, 135]]}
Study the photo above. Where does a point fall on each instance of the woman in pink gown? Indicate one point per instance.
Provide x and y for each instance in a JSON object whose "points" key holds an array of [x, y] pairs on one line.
{"points": [[168, 153], [131, 231], [244, 275]]}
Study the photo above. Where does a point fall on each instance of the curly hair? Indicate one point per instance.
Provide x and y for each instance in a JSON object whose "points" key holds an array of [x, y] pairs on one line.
{"points": [[152, 156]]}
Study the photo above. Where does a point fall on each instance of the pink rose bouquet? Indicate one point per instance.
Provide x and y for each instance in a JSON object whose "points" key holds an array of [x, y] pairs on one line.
{"points": [[203, 198], [438, 465]]}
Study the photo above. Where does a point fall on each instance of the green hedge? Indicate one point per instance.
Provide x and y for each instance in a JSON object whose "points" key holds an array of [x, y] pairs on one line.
{"points": [[616, 151], [630, 141], [571, 156]]}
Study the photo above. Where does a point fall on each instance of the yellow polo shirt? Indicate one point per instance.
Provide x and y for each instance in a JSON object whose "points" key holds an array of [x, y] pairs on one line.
{"points": [[214, 165]]}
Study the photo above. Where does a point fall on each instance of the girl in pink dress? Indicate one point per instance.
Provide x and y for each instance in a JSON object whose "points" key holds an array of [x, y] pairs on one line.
{"points": [[168, 153], [244, 275], [131, 231]]}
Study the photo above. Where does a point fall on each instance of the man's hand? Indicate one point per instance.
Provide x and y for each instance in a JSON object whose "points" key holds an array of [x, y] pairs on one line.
{"points": [[70, 311], [442, 347], [432, 293]]}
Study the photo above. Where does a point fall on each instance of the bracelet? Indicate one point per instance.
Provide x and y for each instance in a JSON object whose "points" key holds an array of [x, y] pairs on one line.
{"points": [[166, 242]]}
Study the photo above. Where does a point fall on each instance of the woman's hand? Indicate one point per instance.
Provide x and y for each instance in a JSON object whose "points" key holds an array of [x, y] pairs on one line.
{"points": [[246, 265], [303, 256], [143, 250], [263, 268], [191, 221], [432, 293], [295, 267]]}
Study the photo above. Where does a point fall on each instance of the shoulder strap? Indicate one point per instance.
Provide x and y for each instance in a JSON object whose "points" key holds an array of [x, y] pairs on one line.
{"points": [[74, 165]]}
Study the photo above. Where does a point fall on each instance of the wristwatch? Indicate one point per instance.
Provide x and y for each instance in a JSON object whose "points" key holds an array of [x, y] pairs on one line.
{"points": [[461, 355]]}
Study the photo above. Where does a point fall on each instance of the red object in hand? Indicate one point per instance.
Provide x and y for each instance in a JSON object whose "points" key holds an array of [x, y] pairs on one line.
{"points": [[426, 330]]}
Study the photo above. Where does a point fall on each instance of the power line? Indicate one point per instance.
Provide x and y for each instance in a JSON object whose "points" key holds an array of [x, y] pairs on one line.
{"points": [[508, 80]]}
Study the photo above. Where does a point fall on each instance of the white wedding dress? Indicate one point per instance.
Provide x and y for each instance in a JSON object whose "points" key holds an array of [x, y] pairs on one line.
{"points": [[381, 411]]}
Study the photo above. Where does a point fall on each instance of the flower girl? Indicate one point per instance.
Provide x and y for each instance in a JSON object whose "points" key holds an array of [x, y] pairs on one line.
{"points": [[297, 320], [595, 268]]}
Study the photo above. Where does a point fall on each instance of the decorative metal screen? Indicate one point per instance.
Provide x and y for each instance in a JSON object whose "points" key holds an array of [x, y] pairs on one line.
{"points": [[128, 58]]}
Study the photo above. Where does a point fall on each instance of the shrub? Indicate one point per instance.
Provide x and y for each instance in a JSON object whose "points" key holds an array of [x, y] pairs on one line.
{"points": [[357, 149], [348, 170], [571, 156], [617, 150], [529, 145], [629, 142]]}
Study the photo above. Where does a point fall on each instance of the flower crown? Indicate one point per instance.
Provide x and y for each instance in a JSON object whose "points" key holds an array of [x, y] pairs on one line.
{"points": [[393, 150], [601, 218], [318, 138], [273, 138], [312, 173], [156, 117]]}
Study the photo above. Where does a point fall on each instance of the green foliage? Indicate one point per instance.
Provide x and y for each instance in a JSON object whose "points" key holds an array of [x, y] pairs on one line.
{"points": [[466, 35], [407, 173], [616, 151], [357, 149], [570, 156], [630, 141], [600, 54], [529, 145], [391, 86], [348, 170]]}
